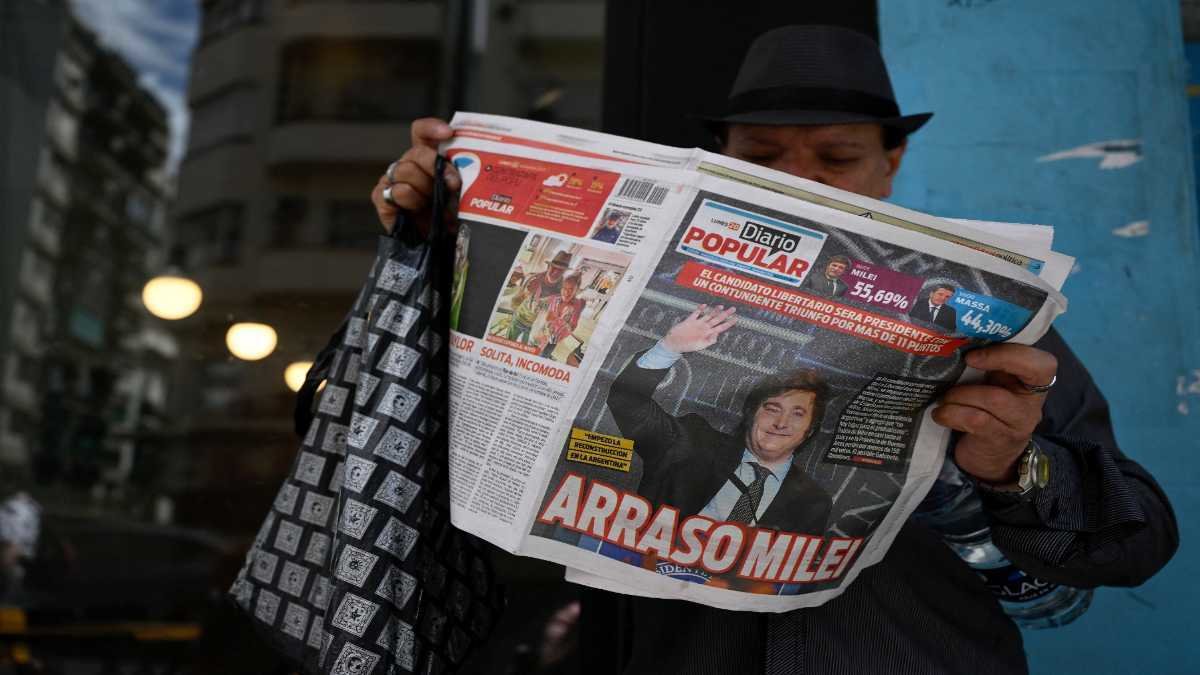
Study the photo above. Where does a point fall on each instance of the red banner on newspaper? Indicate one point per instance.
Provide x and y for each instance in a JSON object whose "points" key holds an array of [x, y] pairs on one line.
{"points": [[555, 197], [819, 311]]}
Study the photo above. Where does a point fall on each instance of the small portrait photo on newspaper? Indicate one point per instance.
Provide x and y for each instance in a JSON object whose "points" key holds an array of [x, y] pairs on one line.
{"points": [[611, 224]]}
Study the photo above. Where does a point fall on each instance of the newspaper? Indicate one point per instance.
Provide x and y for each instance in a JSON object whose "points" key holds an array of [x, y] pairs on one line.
{"points": [[632, 324]]}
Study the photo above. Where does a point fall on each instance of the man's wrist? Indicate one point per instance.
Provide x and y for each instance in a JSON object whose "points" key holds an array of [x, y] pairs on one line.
{"points": [[998, 473], [999, 477], [658, 357]]}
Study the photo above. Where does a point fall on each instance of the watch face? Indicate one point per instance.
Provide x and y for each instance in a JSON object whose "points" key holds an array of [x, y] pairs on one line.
{"points": [[1040, 470]]}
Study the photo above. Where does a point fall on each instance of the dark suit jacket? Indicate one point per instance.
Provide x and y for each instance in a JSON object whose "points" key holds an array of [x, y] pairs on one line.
{"points": [[686, 461], [947, 318]]}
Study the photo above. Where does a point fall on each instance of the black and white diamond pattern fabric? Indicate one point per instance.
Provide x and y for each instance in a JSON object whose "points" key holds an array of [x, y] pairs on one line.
{"points": [[357, 569]]}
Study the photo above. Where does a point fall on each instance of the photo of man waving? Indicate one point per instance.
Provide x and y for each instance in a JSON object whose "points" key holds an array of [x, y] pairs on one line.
{"points": [[748, 476]]}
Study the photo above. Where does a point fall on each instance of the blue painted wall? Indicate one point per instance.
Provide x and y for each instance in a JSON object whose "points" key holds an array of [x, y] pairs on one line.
{"points": [[1015, 80], [1191, 51]]}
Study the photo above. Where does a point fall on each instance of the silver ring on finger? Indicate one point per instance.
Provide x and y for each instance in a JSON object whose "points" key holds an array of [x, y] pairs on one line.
{"points": [[1040, 388], [387, 175], [387, 197]]}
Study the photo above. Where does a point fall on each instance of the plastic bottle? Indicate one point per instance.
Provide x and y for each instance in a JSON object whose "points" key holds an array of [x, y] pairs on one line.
{"points": [[953, 509]]}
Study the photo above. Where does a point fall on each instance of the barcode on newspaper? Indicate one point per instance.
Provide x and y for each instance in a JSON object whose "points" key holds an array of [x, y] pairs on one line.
{"points": [[646, 191]]}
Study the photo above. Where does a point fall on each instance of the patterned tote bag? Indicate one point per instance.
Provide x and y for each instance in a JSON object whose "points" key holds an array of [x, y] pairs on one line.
{"points": [[357, 569]]}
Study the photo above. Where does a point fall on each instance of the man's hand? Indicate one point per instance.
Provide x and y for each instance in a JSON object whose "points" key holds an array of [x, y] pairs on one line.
{"points": [[412, 177], [997, 418], [699, 330]]}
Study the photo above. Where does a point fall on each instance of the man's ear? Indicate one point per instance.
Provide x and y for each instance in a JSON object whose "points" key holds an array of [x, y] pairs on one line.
{"points": [[893, 158]]}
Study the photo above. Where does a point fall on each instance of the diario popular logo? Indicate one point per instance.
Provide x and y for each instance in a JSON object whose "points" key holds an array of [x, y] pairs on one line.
{"points": [[497, 203], [751, 242], [774, 239]]}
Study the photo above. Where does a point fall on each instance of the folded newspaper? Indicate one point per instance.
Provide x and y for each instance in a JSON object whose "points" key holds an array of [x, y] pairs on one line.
{"points": [[683, 375]]}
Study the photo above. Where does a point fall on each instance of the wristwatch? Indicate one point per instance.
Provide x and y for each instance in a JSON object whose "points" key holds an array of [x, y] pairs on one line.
{"points": [[1033, 473]]}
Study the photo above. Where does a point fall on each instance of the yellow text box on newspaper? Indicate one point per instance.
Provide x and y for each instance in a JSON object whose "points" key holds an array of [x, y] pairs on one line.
{"points": [[610, 452]]}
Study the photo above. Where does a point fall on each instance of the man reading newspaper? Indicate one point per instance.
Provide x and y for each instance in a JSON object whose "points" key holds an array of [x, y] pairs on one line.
{"points": [[817, 102]]}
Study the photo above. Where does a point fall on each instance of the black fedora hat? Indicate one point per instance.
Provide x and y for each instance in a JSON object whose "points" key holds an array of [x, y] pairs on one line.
{"points": [[808, 75]]}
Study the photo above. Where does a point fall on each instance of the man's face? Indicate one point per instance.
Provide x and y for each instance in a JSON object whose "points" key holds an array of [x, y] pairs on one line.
{"points": [[940, 296], [835, 269], [553, 273], [846, 156], [781, 425]]}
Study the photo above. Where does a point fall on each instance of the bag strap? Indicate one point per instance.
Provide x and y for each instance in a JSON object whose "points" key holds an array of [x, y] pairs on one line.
{"points": [[405, 232], [302, 416]]}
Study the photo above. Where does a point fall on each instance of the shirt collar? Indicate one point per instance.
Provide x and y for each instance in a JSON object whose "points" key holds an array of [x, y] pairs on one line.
{"points": [[778, 469]]}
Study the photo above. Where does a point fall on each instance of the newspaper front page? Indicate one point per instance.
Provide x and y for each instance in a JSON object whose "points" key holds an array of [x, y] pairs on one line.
{"points": [[681, 375]]}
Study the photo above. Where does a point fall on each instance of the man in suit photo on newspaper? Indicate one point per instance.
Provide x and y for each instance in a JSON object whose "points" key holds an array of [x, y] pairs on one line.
{"points": [[829, 283], [748, 476], [933, 309]]}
